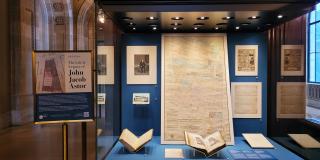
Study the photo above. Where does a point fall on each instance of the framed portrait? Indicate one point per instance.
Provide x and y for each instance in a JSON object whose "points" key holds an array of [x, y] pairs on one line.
{"points": [[246, 99], [105, 64], [292, 60], [141, 98], [141, 64], [246, 60], [291, 99]]}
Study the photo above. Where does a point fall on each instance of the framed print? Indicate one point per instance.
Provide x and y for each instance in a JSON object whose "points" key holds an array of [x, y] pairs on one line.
{"points": [[292, 60], [101, 98], [105, 64], [246, 99], [141, 98], [246, 60], [291, 99], [141, 64], [195, 87]]}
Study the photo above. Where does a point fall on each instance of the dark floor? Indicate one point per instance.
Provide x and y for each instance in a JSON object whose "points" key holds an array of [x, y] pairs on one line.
{"points": [[43, 142]]}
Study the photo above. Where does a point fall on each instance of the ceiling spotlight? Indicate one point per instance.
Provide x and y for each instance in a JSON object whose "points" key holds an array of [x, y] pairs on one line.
{"points": [[202, 18], [134, 28], [175, 28], [154, 28], [198, 24], [280, 16], [227, 18], [177, 18], [254, 17], [175, 24], [127, 18], [151, 18], [245, 24], [237, 28], [131, 23], [217, 28], [195, 28]]}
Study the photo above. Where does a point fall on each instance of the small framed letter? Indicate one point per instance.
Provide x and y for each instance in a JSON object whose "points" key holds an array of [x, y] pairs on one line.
{"points": [[141, 98], [105, 65], [246, 99], [246, 60], [101, 98], [141, 64], [292, 60]]}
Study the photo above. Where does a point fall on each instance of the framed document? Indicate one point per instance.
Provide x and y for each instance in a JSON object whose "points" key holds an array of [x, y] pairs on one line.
{"points": [[141, 64], [105, 64], [141, 98], [246, 60], [292, 60], [195, 87], [246, 99], [291, 99]]}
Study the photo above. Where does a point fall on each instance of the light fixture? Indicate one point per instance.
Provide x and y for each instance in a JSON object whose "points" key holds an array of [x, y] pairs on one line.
{"points": [[134, 28], [280, 16], [254, 17], [245, 24], [152, 18], [101, 16], [237, 27], [127, 18], [216, 28], [227, 18], [175, 24], [177, 18], [154, 28], [198, 24], [195, 28], [175, 28], [202, 18]]}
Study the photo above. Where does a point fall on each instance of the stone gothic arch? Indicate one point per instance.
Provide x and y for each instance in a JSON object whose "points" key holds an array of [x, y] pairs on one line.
{"points": [[85, 26]]}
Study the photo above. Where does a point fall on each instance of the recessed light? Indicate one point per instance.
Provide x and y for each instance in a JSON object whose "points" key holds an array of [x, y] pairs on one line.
{"points": [[127, 18], [202, 18], [154, 28], [175, 28], [153, 24], [245, 24], [131, 24], [227, 18], [195, 28], [216, 28], [280, 16], [221, 24], [177, 18], [254, 17], [134, 28], [237, 27], [152, 18], [175, 24], [199, 24]]}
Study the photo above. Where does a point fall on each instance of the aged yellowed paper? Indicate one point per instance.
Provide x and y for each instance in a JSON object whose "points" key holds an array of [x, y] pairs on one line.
{"points": [[257, 140], [291, 99], [173, 153], [292, 60], [246, 99], [305, 140], [246, 60], [195, 87]]}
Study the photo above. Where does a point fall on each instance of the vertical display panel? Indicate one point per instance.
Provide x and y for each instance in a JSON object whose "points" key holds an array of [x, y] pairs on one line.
{"points": [[62, 86], [195, 87]]}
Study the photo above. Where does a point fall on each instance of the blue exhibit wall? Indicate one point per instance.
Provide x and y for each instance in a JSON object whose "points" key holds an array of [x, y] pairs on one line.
{"points": [[141, 118], [252, 125]]}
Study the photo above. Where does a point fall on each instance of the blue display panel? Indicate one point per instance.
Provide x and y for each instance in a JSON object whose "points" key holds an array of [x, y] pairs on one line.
{"points": [[56, 107]]}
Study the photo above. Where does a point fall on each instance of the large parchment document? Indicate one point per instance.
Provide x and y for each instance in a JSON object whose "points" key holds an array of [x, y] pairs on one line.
{"points": [[291, 100], [195, 87]]}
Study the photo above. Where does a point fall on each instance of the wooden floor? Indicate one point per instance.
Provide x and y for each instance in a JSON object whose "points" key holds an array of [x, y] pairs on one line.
{"points": [[43, 142]]}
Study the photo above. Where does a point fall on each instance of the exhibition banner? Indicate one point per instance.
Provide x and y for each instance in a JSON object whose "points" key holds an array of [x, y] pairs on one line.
{"points": [[63, 86]]}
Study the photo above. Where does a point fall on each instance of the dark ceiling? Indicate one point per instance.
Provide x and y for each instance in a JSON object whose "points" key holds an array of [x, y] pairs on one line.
{"points": [[162, 16]]}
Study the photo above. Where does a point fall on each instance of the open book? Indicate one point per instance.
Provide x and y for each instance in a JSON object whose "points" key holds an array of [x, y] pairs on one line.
{"points": [[133, 143], [208, 146]]}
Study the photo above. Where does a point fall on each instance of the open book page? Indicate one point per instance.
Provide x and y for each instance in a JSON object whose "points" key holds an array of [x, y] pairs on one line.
{"points": [[144, 138], [195, 140], [214, 141], [129, 140]]}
